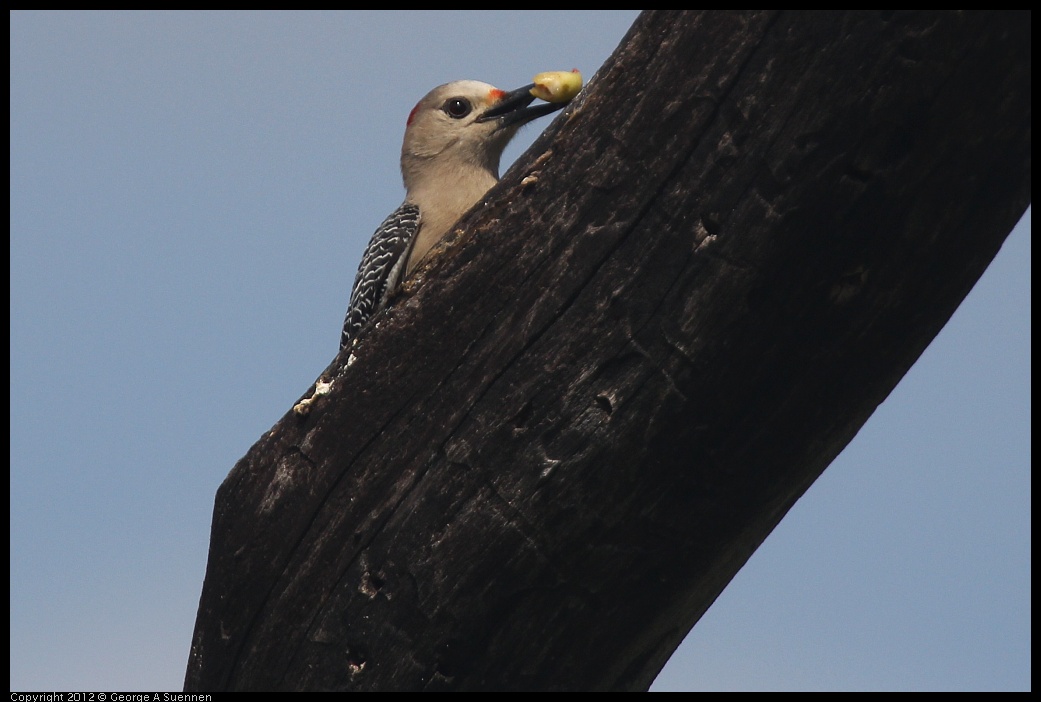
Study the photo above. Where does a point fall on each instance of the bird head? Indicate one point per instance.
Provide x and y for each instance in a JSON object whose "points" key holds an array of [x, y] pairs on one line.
{"points": [[465, 124]]}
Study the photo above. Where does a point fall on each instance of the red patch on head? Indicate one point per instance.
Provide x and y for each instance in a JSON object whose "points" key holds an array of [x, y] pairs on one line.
{"points": [[411, 115], [494, 95]]}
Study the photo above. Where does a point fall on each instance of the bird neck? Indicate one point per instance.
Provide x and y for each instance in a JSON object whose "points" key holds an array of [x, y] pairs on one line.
{"points": [[442, 200]]}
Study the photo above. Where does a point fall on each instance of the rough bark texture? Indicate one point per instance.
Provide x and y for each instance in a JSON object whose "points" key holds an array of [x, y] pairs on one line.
{"points": [[546, 461]]}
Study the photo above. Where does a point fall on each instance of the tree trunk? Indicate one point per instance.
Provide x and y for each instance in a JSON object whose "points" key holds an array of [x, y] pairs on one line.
{"points": [[574, 426]]}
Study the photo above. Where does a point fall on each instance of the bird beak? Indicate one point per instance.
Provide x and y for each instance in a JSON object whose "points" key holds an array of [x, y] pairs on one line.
{"points": [[513, 108]]}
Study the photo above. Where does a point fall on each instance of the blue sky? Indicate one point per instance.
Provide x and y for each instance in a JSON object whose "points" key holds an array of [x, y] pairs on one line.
{"points": [[190, 196]]}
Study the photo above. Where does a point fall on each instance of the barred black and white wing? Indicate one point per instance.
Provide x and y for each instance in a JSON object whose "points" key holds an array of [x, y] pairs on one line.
{"points": [[381, 269]]}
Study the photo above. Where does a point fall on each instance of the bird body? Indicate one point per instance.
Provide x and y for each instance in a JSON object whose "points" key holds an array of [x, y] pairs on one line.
{"points": [[454, 139], [382, 268]]}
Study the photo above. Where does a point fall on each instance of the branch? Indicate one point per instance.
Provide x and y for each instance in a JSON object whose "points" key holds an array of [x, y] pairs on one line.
{"points": [[575, 425]]}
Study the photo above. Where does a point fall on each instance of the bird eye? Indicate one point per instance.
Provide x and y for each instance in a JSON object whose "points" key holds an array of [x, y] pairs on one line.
{"points": [[457, 107]]}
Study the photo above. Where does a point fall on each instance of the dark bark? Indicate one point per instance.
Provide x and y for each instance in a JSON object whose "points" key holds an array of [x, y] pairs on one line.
{"points": [[579, 421]]}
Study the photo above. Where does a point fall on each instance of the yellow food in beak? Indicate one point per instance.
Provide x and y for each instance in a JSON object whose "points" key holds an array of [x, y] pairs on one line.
{"points": [[557, 86]]}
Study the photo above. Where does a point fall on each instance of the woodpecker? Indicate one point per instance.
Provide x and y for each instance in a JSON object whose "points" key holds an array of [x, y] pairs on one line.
{"points": [[454, 138]]}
